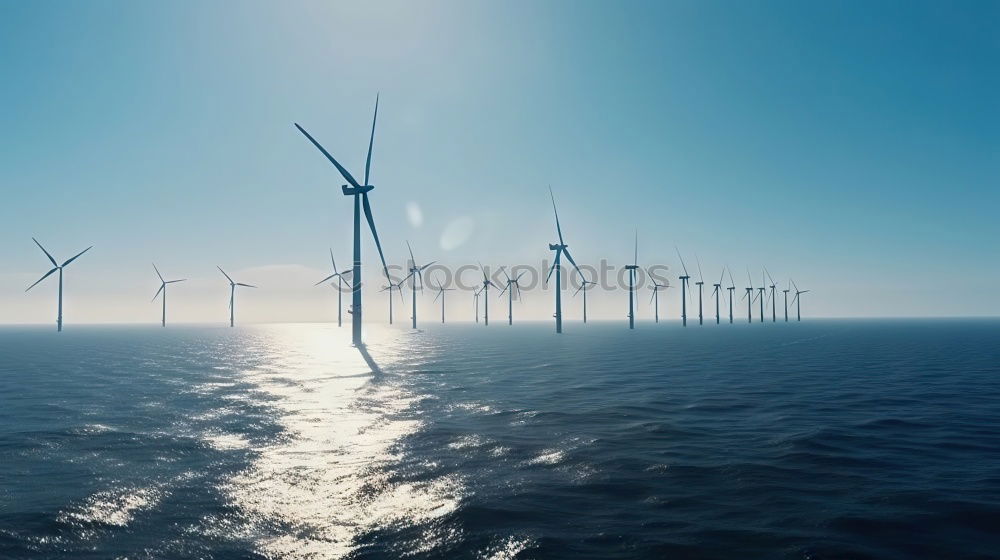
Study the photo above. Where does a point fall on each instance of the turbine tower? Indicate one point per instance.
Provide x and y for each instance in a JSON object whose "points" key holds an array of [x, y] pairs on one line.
{"points": [[774, 309], [163, 288], [749, 297], [417, 272], [718, 292], [561, 248], [583, 288], [513, 289], [785, 291], [701, 288], [59, 267], [731, 288], [232, 294], [632, 268], [761, 291], [486, 300], [340, 284], [797, 300], [441, 290], [684, 288], [360, 194], [655, 299]]}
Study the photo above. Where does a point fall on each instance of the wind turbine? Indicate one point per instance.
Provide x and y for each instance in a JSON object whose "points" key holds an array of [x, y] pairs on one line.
{"points": [[340, 279], [655, 299], [632, 268], [486, 300], [684, 288], [360, 194], [731, 288], [762, 293], [798, 300], [441, 290], [417, 272], [774, 311], [717, 292], [232, 294], [583, 287], [163, 288], [749, 297], [785, 291], [513, 289], [390, 288], [561, 248], [701, 288], [475, 298], [59, 267]]}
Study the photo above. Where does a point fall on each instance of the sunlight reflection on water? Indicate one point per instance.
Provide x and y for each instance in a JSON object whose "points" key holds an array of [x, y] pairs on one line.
{"points": [[328, 478]]}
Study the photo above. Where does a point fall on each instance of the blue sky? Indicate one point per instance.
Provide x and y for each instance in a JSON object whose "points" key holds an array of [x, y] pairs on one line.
{"points": [[852, 146]]}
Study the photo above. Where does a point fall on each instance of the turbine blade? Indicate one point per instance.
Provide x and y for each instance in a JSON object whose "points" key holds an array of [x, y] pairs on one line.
{"points": [[333, 262], [335, 163], [330, 277], [504, 270], [554, 263], [570, 258], [76, 256], [42, 278], [224, 274], [162, 287], [158, 272], [701, 277], [246, 285], [54, 263], [413, 260], [371, 224], [635, 260], [175, 281], [556, 212], [682, 260], [580, 288], [426, 265], [437, 296], [371, 142]]}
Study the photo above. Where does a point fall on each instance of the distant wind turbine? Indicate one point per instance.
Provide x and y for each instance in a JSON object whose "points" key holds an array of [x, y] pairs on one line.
{"points": [[441, 290], [232, 294], [360, 194], [762, 292], [561, 249], [685, 288], [718, 292], [731, 288], [475, 299], [774, 312], [340, 292], [486, 292], [513, 290], [583, 288], [417, 273], [59, 267], [655, 299], [632, 268], [701, 288], [393, 286], [798, 300], [785, 291], [749, 297], [163, 288]]}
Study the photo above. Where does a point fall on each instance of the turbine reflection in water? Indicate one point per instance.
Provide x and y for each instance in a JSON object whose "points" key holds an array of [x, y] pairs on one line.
{"points": [[328, 479]]}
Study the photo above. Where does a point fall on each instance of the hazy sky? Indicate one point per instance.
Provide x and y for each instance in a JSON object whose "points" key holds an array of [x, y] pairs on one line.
{"points": [[849, 145]]}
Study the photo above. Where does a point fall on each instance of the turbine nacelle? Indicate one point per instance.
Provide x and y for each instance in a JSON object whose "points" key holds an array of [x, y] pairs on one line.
{"points": [[557, 247], [351, 191]]}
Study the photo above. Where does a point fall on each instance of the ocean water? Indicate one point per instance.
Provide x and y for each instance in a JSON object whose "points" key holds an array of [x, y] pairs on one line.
{"points": [[813, 440]]}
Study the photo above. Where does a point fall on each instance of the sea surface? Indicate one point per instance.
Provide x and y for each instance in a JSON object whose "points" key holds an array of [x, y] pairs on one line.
{"points": [[826, 439]]}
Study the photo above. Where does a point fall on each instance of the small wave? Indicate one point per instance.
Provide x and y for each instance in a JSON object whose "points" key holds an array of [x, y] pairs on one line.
{"points": [[550, 457], [115, 508], [507, 549]]}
